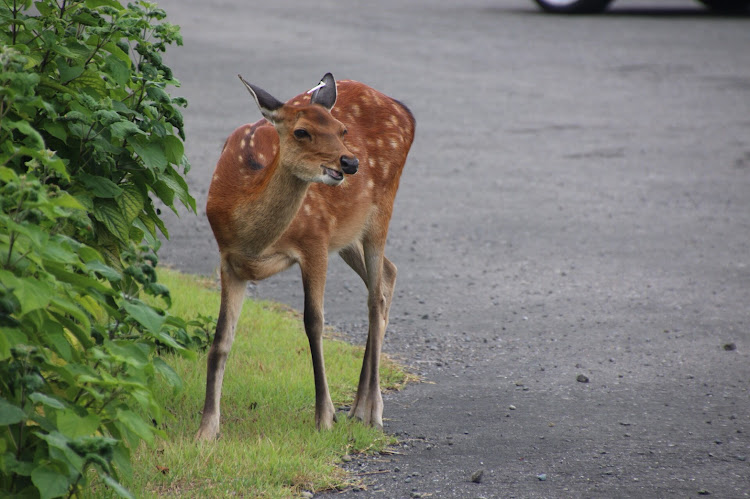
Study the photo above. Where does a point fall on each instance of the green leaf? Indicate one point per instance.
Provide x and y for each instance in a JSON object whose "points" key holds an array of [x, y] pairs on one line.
{"points": [[54, 337], [108, 213], [168, 373], [151, 152], [49, 482], [60, 449], [7, 174], [158, 95], [174, 149], [178, 185], [4, 348], [9, 338], [82, 335], [91, 80], [101, 187], [130, 202], [145, 315], [9, 413], [165, 193], [118, 69], [169, 341], [71, 308], [58, 250], [25, 128], [81, 281], [49, 83], [117, 487], [68, 73], [136, 354], [65, 200], [43, 399], [74, 426], [92, 4], [136, 424], [113, 49], [32, 294], [124, 129], [57, 130], [105, 271]]}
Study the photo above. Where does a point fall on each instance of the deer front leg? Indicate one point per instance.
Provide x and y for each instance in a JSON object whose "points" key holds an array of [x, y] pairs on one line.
{"points": [[381, 280], [232, 295], [314, 282]]}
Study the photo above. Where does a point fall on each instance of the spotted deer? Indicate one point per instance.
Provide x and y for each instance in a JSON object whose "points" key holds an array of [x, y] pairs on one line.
{"points": [[309, 180]]}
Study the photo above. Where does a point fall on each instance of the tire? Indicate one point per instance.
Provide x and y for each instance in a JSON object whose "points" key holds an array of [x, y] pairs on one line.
{"points": [[574, 6], [727, 6]]}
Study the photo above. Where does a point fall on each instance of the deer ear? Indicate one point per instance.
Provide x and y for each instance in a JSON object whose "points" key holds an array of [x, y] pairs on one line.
{"points": [[325, 93], [267, 103]]}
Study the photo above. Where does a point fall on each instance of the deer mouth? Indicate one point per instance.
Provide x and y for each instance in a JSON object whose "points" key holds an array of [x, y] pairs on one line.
{"points": [[334, 174]]}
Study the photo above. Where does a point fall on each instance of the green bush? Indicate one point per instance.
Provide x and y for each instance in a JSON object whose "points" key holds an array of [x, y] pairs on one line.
{"points": [[90, 140]]}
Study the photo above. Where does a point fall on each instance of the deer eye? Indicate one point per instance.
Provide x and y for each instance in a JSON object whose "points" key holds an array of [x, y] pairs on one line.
{"points": [[301, 133]]}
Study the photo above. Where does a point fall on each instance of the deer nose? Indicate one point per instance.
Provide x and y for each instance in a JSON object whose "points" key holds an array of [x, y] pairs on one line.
{"points": [[349, 164]]}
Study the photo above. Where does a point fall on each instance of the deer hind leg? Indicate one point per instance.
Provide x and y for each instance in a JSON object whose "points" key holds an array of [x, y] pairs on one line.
{"points": [[232, 296], [379, 275], [314, 282], [354, 257]]}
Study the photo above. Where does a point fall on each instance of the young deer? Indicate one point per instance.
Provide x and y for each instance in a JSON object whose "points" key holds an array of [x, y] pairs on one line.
{"points": [[285, 192]]}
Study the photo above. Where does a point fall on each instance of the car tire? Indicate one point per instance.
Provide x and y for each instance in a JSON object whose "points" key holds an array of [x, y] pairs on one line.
{"points": [[727, 5], [573, 6]]}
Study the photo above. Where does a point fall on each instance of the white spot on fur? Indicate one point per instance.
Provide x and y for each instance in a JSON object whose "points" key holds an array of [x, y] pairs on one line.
{"points": [[242, 144], [261, 158], [356, 111], [248, 130], [239, 158], [370, 184], [307, 209], [394, 143]]}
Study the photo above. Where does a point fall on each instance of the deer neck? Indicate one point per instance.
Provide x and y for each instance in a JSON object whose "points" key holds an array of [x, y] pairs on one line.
{"points": [[266, 218]]}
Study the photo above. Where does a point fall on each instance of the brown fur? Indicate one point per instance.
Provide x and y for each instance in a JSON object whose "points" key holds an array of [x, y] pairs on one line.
{"points": [[266, 218]]}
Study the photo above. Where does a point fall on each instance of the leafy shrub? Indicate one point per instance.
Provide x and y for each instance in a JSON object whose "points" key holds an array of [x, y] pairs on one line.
{"points": [[89, 139]]}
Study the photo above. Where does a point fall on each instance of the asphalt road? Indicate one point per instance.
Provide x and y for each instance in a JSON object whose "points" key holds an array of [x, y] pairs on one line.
{"points": [[577, 202]]}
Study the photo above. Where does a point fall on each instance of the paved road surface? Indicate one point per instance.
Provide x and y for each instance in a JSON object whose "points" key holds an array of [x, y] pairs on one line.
{"points": [[577, 202]]}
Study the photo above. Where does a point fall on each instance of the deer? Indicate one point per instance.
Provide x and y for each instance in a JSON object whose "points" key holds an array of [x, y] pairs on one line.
{"points": [[315, 176]]}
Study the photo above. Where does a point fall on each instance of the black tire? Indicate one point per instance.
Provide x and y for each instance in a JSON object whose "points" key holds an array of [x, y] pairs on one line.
{"points": [[727, 6], [573, 6]]}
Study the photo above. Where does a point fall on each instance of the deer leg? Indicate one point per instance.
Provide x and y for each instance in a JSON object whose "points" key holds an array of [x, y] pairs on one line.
{"points": [[314, 282], [232, 296], [380, 280], [354, 257]]}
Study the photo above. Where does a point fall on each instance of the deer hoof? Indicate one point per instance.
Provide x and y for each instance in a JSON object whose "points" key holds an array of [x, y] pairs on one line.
{"points": [[326, 420], [207, 433], [369, 414]]}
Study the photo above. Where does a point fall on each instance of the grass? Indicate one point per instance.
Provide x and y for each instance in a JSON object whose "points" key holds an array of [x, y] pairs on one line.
{"points": [[269, 446]]}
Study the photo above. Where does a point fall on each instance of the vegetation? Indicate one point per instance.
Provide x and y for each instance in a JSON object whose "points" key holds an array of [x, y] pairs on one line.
{"points": [[89, 138], [269, 446], [96, 369]]}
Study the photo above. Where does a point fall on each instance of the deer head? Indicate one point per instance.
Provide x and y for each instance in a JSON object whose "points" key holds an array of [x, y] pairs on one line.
{"points": [[311, 140]]}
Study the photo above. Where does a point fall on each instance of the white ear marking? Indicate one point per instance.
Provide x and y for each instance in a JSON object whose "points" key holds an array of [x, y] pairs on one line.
{"points": [[316, 87]]}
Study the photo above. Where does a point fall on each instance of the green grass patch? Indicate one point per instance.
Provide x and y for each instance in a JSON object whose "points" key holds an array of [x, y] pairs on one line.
{"points": [[269, 446]]}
